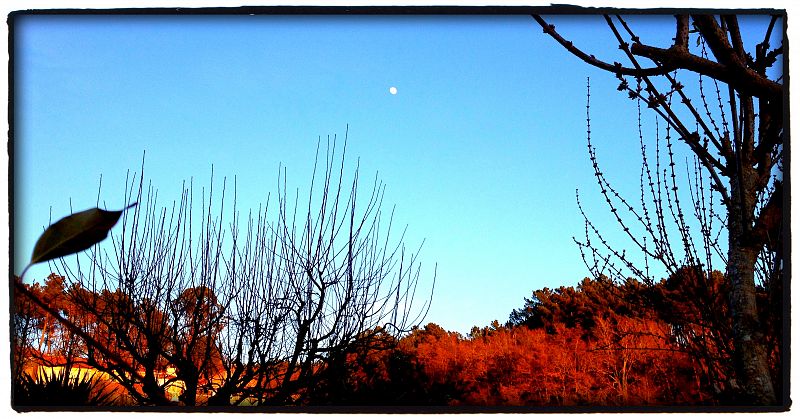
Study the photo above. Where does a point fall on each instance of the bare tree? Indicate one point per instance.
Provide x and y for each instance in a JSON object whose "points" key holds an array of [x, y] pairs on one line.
{"points": [[737, 141], [243, 315], [323, 277]]}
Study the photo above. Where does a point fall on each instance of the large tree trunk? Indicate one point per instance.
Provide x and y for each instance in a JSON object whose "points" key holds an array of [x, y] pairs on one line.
{"points": [[751, 357]]}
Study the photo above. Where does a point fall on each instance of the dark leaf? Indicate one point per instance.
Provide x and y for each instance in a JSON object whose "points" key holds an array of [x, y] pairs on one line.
{"points": [[74, 233]]}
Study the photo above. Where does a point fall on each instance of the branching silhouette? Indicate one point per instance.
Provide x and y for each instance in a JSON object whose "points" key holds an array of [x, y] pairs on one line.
{"points": [[735, 181], [230, 315]]}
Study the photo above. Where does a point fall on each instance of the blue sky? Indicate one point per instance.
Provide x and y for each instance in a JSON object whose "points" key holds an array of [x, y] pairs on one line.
{"points": [[481, 149]]}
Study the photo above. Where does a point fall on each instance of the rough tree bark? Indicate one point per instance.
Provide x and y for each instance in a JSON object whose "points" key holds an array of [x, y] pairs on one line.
{"points": [[750, 353], [745, 162]]}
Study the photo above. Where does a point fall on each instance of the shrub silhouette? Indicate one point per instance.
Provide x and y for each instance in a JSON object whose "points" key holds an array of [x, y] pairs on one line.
{"points": [[60, 388]]}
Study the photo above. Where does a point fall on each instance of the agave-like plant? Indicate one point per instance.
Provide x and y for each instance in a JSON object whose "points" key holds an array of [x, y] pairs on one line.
{"points": [[61, 389]]}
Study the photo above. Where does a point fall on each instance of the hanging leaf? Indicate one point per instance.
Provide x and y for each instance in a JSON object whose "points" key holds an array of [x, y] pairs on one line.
{"points": [[74, 233]]}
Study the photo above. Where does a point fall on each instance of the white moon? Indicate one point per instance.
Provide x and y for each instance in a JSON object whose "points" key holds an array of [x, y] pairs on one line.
{"points": [[393, 90]]}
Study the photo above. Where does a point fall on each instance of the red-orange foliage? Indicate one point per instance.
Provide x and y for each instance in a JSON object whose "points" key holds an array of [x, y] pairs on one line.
{"points": [[598, 344], [627, 363]]}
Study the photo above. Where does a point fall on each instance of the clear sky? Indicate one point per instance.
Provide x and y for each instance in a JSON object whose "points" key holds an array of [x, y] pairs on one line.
{"points": [[481, 148]]}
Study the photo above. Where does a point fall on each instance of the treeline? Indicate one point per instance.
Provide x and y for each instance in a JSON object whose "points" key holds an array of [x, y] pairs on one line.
{"points": [[137, 354], [600, 343]]}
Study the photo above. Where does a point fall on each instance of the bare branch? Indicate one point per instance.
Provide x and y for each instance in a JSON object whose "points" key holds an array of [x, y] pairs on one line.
{"points": [[747, 81], [769, 222], [682, 32], [690, 138], [731, 68], [615, 68]]}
